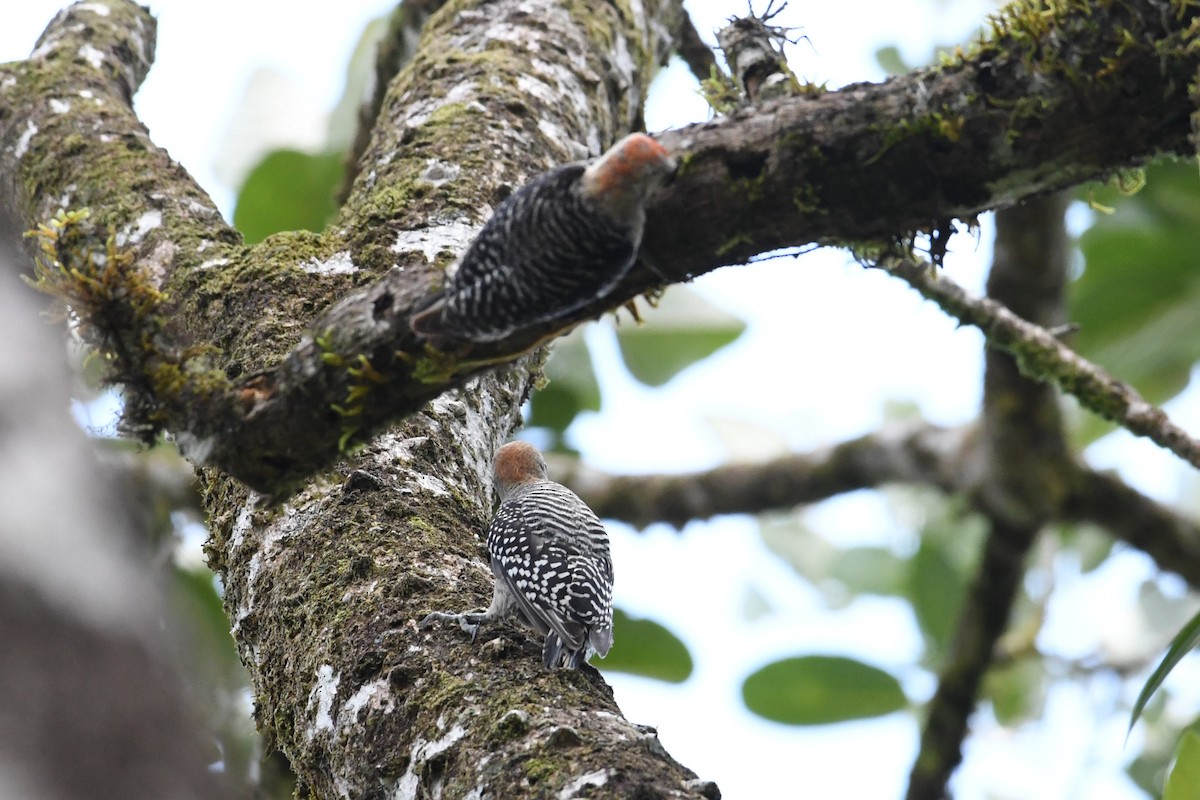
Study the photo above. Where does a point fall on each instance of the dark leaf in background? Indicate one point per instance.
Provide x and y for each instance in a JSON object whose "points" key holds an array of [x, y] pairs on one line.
{"points": [[288, 191], [570, 388], [1137, 299], [818, 690], [644, 647], [1017, 690], [936, 589], [684, 328]]}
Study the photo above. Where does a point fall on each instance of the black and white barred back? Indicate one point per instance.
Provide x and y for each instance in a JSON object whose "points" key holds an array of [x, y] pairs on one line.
{"points": [[550, 552], [562, 241], [544, 253]]}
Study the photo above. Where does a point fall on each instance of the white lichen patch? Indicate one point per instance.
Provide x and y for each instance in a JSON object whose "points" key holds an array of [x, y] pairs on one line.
{"points": [[322, 695], [452, 237], [245, 518], [213, 262], [98, 9], [428, 484], [146, 222], [339, 263], [59, 106], [23, 140], [374, 695], [392, 448], [91, 55], [558, 136], [597, 779], [422, 751], [284, 525], [64, 199], [437, 172]]}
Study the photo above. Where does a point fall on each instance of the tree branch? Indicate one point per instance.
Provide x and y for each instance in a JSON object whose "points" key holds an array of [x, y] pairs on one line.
{"points": [[1043, 356], [907, 453], [1172, 540], [1025, 457], [269, 417], [325, 589]]}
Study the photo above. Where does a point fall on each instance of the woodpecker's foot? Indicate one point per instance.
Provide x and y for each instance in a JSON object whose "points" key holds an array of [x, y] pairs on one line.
{"points": [[469, 621]]}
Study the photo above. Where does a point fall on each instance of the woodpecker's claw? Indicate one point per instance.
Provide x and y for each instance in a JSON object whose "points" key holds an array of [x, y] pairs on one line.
{"points": [[469, 621]]}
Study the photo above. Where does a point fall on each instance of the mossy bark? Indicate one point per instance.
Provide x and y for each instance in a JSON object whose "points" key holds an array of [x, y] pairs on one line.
{"points": [[1062, 93], [251, 377], [323, 590]]}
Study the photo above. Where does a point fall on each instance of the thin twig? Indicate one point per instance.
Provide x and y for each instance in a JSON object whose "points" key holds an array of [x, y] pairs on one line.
{"points": [[1043, 357]]}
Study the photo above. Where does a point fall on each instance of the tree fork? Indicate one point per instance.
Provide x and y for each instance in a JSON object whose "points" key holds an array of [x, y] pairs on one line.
{"points": [[1028, 112]]}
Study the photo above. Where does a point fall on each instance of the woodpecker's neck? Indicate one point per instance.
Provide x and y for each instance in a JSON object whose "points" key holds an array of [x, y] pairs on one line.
{"points": [[516, 490]]}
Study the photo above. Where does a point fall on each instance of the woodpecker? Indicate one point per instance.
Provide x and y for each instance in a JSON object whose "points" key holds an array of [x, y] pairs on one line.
{"points": [[550, 560], [558, 243]]}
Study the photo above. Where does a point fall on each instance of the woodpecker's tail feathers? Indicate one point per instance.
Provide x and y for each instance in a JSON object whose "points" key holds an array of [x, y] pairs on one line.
{"points": [[601, 640]]}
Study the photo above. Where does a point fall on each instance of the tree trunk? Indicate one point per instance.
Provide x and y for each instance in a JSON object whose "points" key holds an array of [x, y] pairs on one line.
{"points": [[225, 345], [324, 590]]}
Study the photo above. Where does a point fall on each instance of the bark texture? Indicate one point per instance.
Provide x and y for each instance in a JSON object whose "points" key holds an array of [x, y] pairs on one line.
{"points": [[269, 363], [324, 590], [1028, 112]]}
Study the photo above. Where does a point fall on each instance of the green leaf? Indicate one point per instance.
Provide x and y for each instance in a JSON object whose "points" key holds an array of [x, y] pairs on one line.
{"points": [[1136, 300], [808, 553], [570, 388], [644, 647], [1090, 543], [890, 61], [1184, 781], [936, 588], [817, 690], [1180, 646], [1017, 690], [870, 570], [682, 330], [287, 191], [194, 596]]}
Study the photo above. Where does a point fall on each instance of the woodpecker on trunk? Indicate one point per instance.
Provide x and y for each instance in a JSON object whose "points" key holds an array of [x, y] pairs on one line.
{"points": [[558, 243], [550, 560]]}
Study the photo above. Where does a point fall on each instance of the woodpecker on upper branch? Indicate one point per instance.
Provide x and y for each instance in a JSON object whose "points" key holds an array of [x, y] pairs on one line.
{"points": [[561, 241], [550, 560]]}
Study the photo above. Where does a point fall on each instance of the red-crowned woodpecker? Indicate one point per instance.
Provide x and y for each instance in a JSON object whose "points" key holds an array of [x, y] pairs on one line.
{"points": [[550, 560], [558, 243]]}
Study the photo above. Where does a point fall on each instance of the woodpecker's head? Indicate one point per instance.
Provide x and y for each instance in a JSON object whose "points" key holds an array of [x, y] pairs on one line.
{"points": [[516, 464], [620, 180]]}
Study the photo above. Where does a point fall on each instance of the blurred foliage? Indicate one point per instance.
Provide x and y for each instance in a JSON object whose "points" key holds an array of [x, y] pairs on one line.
{"points": [[1016, 690], [570, 388], [684, 329], [681, 330], [947, 554], [288, 190], [1184, 781], [818, 690], [644, 647], [1136, 301]]}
